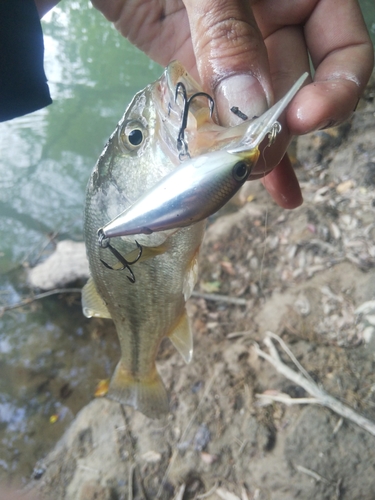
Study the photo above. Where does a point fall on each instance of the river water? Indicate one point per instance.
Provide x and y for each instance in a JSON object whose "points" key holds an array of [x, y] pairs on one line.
{"points": [[51, 357]]}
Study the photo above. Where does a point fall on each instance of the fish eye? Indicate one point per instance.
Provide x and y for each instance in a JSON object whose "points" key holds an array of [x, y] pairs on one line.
{"points": [[240, 171], [135, 137], [132, 135]]}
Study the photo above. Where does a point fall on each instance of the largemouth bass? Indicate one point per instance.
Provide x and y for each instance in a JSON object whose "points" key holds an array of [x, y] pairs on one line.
{"points": [[142, 282]]}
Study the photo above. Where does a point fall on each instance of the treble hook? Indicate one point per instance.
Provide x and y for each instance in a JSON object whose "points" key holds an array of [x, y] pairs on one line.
{"points": [[104, 243], [181, 142]]}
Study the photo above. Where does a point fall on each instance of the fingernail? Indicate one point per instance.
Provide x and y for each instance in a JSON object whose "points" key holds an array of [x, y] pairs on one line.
{"points": [[243, 92]]}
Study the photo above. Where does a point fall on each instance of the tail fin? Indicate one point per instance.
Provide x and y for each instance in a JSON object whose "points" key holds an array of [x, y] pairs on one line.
{"points": [[148, 395]]}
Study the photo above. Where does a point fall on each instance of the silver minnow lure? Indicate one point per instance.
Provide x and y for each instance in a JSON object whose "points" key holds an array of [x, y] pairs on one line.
{"points": [[200, 186]]}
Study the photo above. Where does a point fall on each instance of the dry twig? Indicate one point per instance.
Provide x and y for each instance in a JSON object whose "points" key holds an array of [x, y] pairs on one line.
{"points": [[215, 297], [180, 493], [312, 473], [226, 495], [39, 296], [320, 395], [208, 493]]}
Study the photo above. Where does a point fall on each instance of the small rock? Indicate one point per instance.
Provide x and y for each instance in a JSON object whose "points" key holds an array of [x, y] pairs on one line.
{"points": [[66, 265], [368, 334], [302, 305], [207, 458], [202, 437]]}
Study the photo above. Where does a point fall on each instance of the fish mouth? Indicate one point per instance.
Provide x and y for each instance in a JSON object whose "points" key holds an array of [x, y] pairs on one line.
{"points": [[201, 130], [217, 167], [203, 134]]}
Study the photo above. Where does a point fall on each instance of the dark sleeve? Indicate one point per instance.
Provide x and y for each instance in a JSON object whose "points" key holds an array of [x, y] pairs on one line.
{"points": [[23, 83]]}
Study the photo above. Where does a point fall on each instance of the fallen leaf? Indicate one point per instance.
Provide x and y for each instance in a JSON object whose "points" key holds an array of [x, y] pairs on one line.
{"points": [[345, 186], [211, 286], [228, 267], [102, 388]]}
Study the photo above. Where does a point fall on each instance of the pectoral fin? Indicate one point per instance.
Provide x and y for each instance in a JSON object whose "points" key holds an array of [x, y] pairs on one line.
{"points": [[182, 338], [151, 240], [147, 394], [92, 303], [146, 253], [149, 252]]}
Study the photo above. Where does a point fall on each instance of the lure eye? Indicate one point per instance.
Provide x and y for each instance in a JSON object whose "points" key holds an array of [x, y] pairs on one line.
{"points": [[132, 135], [241, 171]]}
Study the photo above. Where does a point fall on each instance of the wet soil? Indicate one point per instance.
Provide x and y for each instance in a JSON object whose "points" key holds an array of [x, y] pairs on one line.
{"points": [[307, 275]]}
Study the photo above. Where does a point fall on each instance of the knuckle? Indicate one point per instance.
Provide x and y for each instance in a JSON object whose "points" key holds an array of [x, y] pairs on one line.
{"points": [[230, 42]]}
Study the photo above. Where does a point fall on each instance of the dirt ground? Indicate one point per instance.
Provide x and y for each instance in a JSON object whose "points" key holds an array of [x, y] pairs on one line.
{"points": [[307, 275]]}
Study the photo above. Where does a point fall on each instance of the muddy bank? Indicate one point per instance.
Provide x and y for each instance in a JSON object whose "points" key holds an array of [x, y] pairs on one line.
{"points": [[307, 275]]}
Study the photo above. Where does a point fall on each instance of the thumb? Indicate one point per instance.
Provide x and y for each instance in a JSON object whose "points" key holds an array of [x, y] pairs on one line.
{"points": [[231, 56]]}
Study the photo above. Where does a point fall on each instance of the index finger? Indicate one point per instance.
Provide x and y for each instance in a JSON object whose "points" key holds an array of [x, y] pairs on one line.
{"points": [[342, 53]]}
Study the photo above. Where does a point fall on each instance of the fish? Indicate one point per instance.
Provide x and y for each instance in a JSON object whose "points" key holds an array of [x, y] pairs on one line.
{"points": [[142, 281]]}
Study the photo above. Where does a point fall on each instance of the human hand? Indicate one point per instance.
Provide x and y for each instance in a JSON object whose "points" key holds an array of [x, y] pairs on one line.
{"points": [[248, 54]]}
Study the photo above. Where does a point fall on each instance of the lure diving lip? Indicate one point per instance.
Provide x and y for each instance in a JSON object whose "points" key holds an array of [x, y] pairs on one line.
{"points": [[200, 186]]}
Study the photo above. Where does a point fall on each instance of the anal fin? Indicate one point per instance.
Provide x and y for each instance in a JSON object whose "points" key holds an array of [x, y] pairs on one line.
{"points": [[146, 394], [182, 338], [92, 303]]}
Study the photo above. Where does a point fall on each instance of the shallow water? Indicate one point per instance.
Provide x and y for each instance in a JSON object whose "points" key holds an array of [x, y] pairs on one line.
{"points": [[51, 357]]}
